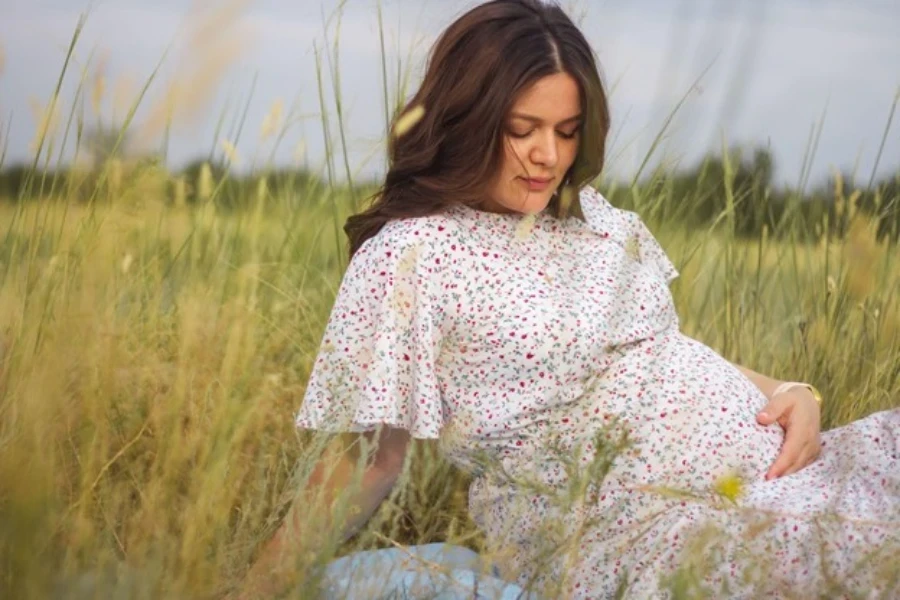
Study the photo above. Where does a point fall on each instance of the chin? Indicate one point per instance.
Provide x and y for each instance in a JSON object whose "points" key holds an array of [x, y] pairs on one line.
{"points": [[536, 205]]}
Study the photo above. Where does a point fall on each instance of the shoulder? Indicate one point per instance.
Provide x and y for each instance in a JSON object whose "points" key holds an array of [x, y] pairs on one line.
{"points": [[414, 240], [593, 202], [596, 209], [430, 233]]}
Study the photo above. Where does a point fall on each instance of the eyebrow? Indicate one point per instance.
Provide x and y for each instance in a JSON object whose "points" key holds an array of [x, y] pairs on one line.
{"points": [[534, 119]]}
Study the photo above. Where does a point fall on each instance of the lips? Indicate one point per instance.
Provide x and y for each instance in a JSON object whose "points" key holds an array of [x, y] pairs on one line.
{"points": [[537, 185]]}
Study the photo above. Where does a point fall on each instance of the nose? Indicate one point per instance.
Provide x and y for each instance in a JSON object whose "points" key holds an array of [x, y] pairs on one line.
{"points": [[545, 151]]}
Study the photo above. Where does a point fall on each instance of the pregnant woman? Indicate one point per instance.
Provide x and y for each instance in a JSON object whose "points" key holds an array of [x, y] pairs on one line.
{"points": [[497, 302]]}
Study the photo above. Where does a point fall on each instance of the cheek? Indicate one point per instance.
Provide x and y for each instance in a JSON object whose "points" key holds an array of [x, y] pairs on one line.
{"points": [[514, 156]]}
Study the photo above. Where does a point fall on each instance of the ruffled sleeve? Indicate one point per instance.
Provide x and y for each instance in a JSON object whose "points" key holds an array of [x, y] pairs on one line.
{"points": [[629, 229], [376, 361]]}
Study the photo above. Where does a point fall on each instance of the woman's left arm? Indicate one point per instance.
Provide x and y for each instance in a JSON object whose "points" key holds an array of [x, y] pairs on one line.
{"points": [[798, 412]]}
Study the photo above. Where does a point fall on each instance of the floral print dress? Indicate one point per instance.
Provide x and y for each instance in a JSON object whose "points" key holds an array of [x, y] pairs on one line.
{"points": [[527, 346]]}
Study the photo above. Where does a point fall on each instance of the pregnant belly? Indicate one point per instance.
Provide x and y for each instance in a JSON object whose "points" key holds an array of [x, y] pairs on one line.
{"points": [[691, 416]]}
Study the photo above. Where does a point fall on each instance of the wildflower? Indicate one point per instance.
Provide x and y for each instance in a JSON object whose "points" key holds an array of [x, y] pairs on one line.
{"points": [[526, 224], [230, 151], [408, 120], [730, 487]]}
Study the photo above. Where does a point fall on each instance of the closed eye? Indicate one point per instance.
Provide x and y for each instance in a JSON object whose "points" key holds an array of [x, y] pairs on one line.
{"points": [[566, 136]]}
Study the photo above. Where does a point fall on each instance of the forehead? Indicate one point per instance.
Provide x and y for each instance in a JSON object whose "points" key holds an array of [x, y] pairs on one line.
{"points": [[552, 97]]}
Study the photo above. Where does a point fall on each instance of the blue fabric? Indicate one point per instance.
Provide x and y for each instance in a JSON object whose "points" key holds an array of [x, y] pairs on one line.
{"points": [[441, 571]]}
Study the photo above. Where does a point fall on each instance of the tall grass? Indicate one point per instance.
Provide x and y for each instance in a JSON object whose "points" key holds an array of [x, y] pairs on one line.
{"points": [[152, 358]]}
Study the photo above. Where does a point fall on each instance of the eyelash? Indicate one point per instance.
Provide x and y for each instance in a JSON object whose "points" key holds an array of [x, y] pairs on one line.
{"points": [[565, 136]]}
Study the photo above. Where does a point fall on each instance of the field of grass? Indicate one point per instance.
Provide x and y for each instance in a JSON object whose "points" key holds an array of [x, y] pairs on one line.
{"points": [[153, 355], [152, 358]]}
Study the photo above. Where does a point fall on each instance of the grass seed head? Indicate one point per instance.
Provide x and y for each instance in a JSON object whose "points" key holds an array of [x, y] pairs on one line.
{"points": [[272, 121], [408, 120], [205, 183], [525, 225], [230, 151]]}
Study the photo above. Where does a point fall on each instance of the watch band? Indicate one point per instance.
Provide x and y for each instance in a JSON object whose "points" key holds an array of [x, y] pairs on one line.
{"points": [[792, 384]]}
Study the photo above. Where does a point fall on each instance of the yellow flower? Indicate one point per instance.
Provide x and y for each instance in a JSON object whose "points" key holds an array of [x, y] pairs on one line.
{"points": [[730, 487]]}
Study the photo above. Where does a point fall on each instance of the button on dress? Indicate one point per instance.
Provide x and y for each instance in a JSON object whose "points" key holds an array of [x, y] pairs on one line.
{"points": [[527, 346]]}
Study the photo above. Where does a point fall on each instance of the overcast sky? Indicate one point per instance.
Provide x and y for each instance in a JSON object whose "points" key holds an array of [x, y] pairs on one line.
{"points": [[775, 68]]}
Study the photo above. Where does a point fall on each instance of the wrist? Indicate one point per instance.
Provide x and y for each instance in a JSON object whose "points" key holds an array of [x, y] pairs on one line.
{"points": [[790, 385]]}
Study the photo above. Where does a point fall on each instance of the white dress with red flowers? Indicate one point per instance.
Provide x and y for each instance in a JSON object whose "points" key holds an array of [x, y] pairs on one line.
{"points": [[516, 342]]}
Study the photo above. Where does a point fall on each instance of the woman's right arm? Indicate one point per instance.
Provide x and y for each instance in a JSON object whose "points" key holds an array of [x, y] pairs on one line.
{"points": [[331, 481]]}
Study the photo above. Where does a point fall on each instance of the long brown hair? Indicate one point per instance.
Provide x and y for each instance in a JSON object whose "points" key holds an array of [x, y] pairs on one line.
{"points": [[476, 70]]}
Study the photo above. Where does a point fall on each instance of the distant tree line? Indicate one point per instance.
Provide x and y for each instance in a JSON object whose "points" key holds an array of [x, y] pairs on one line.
{"points": [[738, 190], [735, 190]]}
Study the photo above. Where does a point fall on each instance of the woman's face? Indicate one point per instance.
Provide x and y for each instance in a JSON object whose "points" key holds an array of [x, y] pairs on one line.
{"points": [[540, 139]]}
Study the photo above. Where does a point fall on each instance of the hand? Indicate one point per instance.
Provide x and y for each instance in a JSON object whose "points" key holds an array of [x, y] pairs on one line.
{"points": [[797, 411]]}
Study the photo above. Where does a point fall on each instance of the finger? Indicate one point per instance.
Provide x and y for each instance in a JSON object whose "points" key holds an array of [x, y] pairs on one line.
{"points": [[814, 452], [790, 451], [818, 451], [772, 411], [802, 461]]}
